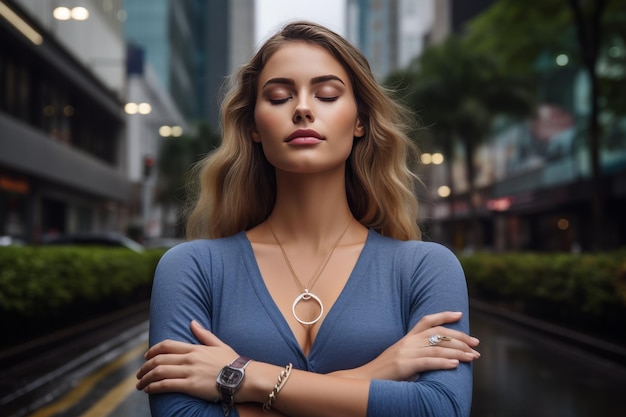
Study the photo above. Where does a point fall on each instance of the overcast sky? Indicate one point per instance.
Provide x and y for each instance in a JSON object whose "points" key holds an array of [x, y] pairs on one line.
{"points": [[272, 14]]}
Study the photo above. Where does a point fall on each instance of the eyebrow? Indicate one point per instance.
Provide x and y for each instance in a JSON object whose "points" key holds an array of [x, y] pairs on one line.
{"points": [[314, 80]]}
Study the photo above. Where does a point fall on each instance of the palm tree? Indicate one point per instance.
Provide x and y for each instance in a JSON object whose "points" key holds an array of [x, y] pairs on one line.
{"points": [[457, 94]]}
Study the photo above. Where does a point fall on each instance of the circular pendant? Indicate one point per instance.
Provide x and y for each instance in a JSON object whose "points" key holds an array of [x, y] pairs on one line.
{"points": [[306, 295]]}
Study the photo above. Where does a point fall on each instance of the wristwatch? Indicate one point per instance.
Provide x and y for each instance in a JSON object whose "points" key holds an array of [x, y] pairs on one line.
{"points": [[230, 378]]}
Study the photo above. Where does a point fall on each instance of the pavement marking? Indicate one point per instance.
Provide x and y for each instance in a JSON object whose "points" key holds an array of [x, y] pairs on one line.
{"points": [[86, 385], [109, 402]]}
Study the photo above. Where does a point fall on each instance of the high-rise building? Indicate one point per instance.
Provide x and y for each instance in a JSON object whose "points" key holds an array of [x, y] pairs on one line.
{"points": [[192, 46], [374, 24], [390, 33], [166, 31]]}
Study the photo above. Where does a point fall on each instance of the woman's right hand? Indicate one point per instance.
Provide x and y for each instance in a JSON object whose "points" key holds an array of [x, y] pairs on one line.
{"points": [[413, 354]]}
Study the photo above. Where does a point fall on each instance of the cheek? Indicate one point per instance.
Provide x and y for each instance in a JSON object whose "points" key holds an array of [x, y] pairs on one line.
{"points": [[264, 120], [344, 120]]}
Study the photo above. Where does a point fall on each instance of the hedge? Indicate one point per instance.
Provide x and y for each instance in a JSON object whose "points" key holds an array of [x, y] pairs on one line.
{"points": [[585, 292], [55, 286]]}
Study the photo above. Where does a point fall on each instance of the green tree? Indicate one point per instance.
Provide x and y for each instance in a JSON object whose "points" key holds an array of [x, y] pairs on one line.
{"points": [[176, 158], [457, 94], [518, 32]]}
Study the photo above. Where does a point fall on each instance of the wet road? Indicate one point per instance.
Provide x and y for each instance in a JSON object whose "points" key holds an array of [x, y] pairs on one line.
{"points": [[520, 373]]}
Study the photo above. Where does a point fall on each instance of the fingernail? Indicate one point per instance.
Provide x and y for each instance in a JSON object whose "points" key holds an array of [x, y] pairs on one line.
{"points": [[475, 340], [454, 361]]}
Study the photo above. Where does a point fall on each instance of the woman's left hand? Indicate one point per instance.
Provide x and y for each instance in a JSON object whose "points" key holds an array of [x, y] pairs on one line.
{"points": [[173, 366], [414, 354]]}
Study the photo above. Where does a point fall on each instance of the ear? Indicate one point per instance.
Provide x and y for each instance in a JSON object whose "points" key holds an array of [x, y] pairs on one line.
{"points": [[359, 129], [255, 136]]}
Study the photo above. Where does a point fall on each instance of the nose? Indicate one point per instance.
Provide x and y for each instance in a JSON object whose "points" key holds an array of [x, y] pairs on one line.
{"points": [[303, 112]]}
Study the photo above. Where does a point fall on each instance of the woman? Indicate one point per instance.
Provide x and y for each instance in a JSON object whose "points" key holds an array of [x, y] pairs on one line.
{"points": [[305, 257]]}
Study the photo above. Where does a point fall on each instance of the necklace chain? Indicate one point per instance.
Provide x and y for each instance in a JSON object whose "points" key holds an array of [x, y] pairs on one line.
{"points": [[305, 290]]}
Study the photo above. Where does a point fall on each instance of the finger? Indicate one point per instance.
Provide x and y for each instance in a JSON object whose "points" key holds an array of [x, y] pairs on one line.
{"points": [[437, 319], [448, 353], [160, 387], [444, 341], [435, 364], [177, 379], [204, 336], [161, 360], [160, 373], [455, 334], [167, 347], [166, 385], [449, 338], [182, 385]]}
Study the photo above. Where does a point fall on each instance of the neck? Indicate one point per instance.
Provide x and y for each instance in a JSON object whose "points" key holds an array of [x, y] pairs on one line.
{"points": [[312, 209]]}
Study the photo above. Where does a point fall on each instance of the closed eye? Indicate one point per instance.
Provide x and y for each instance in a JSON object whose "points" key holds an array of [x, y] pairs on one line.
{"points": [[328, 99], [277, 101]]}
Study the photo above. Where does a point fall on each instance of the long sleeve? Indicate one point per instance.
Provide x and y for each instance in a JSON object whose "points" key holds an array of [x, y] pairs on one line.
{"points": [[437, 284], [182, 291], [393, 285]]}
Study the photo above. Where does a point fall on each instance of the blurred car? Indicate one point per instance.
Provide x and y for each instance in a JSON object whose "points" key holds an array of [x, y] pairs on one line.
{"points": [[11, 241], [162, 242], [94, 239]]}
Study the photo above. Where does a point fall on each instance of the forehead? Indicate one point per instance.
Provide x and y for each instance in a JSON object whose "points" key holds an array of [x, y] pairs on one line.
{"points": [[302, 61]]}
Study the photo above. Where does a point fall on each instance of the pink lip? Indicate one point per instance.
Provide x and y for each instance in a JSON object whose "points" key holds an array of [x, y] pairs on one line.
{"points": [[304, 137]]}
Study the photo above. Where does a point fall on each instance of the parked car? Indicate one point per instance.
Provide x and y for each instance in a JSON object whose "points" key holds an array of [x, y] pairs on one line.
{"points": [[162, 242], [94, 239], [11, 241]]}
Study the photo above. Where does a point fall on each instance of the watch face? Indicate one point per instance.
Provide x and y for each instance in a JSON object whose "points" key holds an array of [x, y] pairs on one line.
{"points": [[231, 377]]}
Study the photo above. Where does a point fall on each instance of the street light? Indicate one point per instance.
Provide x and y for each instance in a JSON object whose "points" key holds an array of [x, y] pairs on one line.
{"points": [[170, 131], [434, 158], [75, 13], [443, 191], [138, 108]]}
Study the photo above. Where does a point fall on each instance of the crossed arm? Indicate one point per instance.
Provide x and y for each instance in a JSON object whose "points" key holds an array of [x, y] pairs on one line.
{"points": [[190, 369]]}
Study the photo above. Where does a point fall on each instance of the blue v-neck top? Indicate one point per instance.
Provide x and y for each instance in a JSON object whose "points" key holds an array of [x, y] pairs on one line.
{"points": [[393, 284]]}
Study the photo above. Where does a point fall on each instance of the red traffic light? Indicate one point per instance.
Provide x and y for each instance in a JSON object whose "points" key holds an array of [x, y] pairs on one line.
{"points": [[148, 163]]}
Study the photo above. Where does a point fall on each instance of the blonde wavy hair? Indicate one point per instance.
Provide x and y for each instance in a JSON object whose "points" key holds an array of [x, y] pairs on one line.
{"points": [[236, 187]]}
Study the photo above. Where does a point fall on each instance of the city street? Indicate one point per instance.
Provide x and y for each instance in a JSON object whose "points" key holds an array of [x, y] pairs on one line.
{"points": [[128, 127], [522, 372]]}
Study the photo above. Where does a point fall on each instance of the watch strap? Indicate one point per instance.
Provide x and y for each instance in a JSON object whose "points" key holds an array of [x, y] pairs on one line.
{"points": [[240, 363], [227, 393]]}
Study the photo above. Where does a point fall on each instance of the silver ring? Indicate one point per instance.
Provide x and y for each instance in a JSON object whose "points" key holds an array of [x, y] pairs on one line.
{"points": [[435, 339]]}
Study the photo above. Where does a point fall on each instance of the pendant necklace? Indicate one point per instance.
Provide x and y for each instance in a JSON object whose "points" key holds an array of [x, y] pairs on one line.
{"points": [[306, 293]]}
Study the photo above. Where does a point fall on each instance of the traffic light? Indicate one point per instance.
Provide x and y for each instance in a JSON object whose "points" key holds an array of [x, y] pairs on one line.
{"points": [[148, 164]]}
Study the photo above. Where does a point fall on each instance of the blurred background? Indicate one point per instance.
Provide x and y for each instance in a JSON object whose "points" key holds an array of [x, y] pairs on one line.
{"points": [[521, 106], [105, 104]]}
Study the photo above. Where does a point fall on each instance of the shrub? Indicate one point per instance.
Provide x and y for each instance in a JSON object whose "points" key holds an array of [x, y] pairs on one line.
{"points": [[56, 286], [586, 292]]}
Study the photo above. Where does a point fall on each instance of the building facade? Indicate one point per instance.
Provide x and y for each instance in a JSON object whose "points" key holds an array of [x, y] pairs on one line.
{"points": [[62, 140], [390, 33]]}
